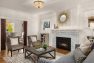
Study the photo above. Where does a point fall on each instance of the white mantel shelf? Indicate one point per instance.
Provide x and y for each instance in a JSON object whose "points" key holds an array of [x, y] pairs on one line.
{"points": [[66, 29]]}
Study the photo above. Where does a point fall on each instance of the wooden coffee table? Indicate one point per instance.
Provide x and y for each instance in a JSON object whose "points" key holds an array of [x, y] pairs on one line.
{"points": [[32, 50]]}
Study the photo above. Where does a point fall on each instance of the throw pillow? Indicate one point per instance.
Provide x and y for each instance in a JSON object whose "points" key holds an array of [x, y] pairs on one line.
{"points": [[34, 39], [85, 43], [86, 47], [86, 50], [78, 55], [90, 58], [14, 41]]}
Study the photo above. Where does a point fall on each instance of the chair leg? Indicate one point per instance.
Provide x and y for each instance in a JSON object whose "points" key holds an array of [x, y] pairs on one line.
{"points": [[18, 50], [7, 52], [23, 50], [11, 53]]}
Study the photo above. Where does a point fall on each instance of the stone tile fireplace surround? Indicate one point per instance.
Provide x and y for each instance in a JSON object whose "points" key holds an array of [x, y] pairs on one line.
{"points": [[75, 36]]}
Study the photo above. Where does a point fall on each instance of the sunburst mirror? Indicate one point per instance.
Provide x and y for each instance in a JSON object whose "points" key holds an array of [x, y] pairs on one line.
{"points": [[63, 17]]}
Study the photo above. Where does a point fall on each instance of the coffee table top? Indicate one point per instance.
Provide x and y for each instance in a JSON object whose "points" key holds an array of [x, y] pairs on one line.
{"points": [[36, 52]]}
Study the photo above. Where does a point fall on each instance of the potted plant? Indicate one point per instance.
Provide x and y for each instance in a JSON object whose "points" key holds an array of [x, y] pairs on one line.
{"points": [[45, 46]]}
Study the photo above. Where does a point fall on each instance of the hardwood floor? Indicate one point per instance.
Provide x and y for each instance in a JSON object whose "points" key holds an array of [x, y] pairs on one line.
{"points": [[62, 51], [4, 53]]}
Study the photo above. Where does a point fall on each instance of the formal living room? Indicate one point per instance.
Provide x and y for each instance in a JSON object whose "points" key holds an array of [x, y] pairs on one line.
{"points": [[46, 31]]}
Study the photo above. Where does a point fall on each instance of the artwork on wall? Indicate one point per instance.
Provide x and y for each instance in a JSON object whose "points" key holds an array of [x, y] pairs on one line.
{"points": [[46, 24], [10, 27]]}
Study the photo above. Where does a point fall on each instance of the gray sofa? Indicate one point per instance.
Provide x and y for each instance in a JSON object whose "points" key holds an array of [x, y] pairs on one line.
{"points": [[70, 58], [64, 59]]}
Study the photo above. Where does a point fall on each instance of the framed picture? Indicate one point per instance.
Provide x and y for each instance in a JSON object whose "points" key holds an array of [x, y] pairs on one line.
{"points": [[46, 24], [10, 27]]}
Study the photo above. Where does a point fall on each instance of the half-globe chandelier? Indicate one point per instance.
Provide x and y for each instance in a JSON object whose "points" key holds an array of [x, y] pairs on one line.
{"points": [[38, 4]]}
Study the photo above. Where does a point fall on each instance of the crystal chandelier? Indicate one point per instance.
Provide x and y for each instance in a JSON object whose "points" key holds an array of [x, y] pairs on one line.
{"points": [[38, 4]]}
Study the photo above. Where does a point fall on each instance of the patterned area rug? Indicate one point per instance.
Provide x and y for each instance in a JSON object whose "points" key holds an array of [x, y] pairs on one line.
{"points": [[19, 58]]}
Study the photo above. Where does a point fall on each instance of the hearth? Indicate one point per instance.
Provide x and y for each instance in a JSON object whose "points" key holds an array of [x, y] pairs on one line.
{"points": [[63, 43]]}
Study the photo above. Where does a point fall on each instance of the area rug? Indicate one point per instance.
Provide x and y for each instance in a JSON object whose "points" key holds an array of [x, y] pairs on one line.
{"points": [[19, 58]]}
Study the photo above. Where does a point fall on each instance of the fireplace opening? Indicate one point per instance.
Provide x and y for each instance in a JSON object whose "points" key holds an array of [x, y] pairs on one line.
{"points": [[63, 43]]}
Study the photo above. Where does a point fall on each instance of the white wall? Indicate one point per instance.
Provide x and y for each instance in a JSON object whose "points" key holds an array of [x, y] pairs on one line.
{"points": [[78, 18], [78, 14], [49, 16], [33, 25], [0, 35], [52, 16], [86, 10], [72, 22], [17, 18]]}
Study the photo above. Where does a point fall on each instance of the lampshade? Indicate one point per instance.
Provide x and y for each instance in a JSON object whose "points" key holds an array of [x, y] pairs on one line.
{"points": [[38, 4]]}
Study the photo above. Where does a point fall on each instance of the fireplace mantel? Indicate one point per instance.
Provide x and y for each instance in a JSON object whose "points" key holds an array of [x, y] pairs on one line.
{"points": [[74, 34]]}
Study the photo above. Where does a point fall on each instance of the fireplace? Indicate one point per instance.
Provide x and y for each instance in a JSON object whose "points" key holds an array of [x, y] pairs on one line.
{"points": [[63, 43]]}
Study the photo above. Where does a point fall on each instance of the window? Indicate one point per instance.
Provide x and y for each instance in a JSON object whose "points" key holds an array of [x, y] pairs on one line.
{"points": [[91, 23]]}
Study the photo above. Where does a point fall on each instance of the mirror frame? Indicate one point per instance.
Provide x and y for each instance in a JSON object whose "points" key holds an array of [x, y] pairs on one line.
{"points": [[64, 13]]}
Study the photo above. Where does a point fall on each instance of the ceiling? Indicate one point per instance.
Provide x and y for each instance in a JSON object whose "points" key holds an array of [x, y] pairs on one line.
{"points": [[26, 5]]}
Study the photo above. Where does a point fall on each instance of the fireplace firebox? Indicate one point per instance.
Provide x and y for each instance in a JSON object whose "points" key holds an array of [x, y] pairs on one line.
{"points": [[63, 43]]}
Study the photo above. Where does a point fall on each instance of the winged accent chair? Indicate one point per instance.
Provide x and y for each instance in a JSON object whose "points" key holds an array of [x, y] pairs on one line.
{"points": [[33, 41], [13, 44]]}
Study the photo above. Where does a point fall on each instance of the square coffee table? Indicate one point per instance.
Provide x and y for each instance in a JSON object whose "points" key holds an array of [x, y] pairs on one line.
{"points": [[32, 50]]}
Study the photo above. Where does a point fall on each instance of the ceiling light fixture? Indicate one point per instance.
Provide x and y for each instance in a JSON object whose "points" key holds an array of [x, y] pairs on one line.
{"points": [[38, 4]]}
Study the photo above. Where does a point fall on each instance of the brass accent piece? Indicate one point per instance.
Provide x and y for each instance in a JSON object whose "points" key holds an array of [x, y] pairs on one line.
{"points": [[62, 18]]}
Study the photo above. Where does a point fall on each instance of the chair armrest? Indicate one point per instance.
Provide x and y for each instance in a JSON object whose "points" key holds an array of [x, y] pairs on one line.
{"points": [[8, 43]]}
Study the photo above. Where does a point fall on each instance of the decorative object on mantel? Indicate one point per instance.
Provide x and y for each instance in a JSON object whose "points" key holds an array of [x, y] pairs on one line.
{"points": [[63, 17], [46, 24], [38, 3], [55, 26]]}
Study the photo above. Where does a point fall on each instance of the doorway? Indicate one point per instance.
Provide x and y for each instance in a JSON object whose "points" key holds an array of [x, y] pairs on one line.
{"points": [[3, 34]]}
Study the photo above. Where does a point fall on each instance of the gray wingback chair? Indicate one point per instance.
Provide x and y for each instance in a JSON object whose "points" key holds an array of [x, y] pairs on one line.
{"points": [[33, 41], [12, 46]]}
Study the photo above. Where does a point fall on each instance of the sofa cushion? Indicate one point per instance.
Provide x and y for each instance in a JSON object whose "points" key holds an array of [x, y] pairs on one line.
{"points": [[66, 59], [90, 58], [42, 60], [16, 47], [78, 55], [34, 39], [14, 41]]}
